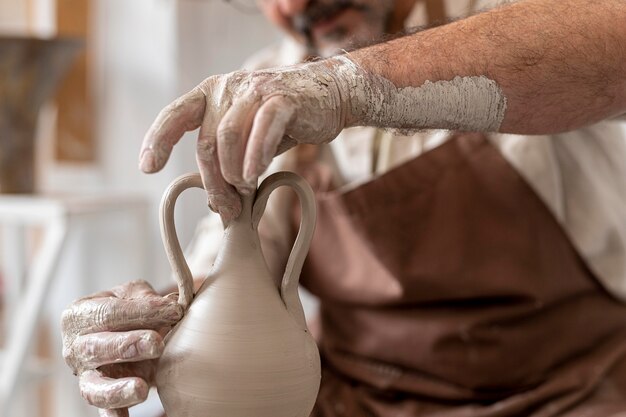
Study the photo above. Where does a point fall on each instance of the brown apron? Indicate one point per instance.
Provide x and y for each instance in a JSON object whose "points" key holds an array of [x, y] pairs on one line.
{"points": [[448, 289]]}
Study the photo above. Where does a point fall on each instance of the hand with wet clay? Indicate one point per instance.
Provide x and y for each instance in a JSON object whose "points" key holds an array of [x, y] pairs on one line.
{"points": [[497, 71], [111, 341], [245, 119]]}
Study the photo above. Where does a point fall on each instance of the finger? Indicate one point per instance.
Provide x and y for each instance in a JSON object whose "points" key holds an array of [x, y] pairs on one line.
{"points": [[222, 196], [96, 349], [109, 393], [268, 129], [134, 289], [144, 370], [232, 137], [115, 314], [119, 412], [183, 115]]}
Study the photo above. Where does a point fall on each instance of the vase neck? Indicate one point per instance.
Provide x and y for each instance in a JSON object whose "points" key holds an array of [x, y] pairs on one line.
{"points": [[244, 221], [241, 241]]}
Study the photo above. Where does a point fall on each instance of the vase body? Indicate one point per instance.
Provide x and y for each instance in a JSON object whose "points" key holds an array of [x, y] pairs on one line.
{"points": [[239, 351]]}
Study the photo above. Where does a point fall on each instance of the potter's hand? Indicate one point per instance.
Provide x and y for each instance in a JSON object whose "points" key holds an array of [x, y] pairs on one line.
{"points": [[245, 119], [110, 341]]}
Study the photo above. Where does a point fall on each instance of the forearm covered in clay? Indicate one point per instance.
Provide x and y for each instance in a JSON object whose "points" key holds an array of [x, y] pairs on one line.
{"points": [[533, 67], [473, 103]]}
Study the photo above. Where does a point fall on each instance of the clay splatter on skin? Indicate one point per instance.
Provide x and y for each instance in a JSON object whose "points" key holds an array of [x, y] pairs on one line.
{"points": [[307, 103], [473, 103]]}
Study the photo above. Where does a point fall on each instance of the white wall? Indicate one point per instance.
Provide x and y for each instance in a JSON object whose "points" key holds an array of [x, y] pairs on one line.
{"points": [[13, 16], [149, 52], [33, 17], [215, 37], [135, 76]]}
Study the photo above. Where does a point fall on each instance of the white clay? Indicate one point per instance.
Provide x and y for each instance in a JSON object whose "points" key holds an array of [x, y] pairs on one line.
{"points": [[463, 103], [242, 349]]}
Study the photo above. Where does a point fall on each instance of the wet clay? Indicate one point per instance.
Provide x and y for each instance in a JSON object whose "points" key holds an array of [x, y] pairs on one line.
{"points": [[473, 103], [243, 348]]}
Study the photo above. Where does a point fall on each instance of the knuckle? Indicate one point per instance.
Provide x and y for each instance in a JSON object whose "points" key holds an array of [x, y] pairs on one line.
{"points": [[206, 148], [127, 289], [70, 359], [136, 286], [68, 318], [222, 82], [121, 289], [142, 282], [237, 76], [208, 82], [256, 84]]}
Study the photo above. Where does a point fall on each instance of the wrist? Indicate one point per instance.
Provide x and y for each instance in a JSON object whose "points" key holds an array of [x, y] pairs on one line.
{"points": [[352, 86], [339, 77]]}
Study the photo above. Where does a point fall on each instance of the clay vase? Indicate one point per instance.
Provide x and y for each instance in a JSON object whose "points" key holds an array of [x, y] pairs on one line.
{"points": [[243, 348]]}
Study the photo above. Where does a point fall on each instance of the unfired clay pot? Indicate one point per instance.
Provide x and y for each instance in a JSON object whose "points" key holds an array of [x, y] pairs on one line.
{"points": [[243, 348]]}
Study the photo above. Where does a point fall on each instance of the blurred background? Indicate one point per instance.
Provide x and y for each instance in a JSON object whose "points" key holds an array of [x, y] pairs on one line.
{"points": [[80, 83]]}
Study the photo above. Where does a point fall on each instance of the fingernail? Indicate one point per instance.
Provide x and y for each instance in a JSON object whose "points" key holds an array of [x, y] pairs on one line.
{"points": [[150, 347], [148, 161], [134, 391], [130, 352], [174, 311]]}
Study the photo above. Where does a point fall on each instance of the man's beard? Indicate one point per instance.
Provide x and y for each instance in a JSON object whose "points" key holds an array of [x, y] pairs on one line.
{"points": [[317, 11]]}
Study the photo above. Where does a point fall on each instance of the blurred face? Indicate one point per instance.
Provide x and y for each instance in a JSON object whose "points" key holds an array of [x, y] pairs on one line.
{"points": [[328, 26]]}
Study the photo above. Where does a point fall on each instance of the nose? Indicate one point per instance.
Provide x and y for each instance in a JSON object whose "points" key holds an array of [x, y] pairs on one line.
{"points": [[290, 8]]}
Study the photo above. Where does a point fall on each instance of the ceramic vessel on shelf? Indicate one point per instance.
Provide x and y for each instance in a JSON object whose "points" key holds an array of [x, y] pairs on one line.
{"points": [[243, 348], [30, 69]]}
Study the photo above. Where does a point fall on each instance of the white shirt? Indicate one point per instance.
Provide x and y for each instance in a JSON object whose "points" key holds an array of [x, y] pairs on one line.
{"points": [[580, 176]]}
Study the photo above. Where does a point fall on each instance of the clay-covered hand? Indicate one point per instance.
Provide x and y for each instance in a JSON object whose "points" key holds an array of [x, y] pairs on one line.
{"points": [[111, 340], [245, 119]]}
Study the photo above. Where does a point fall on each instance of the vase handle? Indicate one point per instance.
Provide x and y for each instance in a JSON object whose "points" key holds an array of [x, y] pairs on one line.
{"points": [[289, 286], [175, 255]]}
